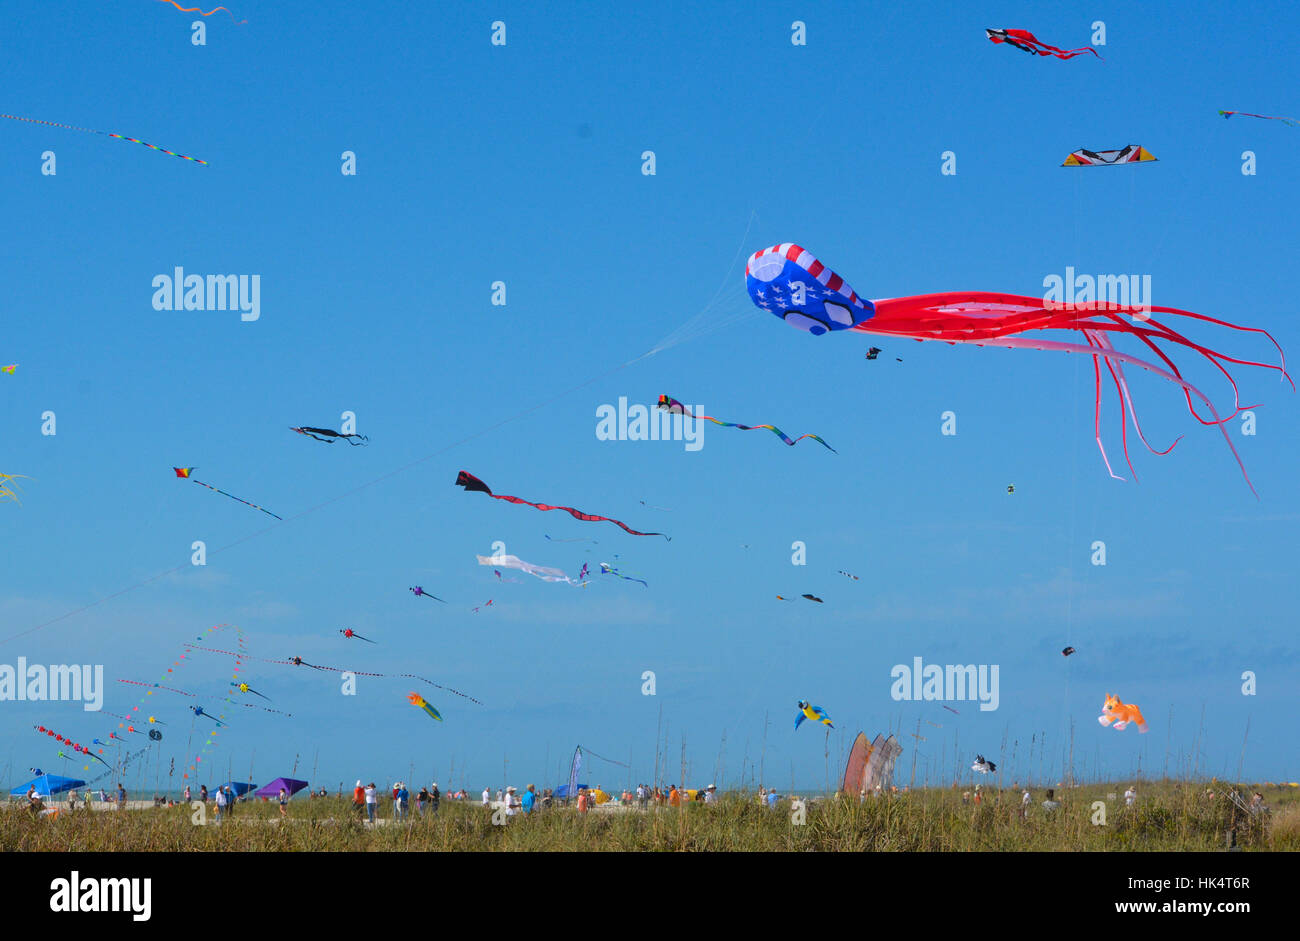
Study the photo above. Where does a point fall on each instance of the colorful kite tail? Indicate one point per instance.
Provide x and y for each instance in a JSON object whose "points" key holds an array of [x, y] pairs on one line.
{"points": [[209, 13]]}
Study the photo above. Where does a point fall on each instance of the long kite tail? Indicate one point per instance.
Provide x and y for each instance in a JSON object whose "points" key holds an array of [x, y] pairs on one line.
{"points": [[201, 13], [91, 130], [472, 483], [1267, 117], [672, 406], [233, 497]]}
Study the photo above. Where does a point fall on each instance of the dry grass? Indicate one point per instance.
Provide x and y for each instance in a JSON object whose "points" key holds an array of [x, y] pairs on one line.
{"points": [[1169, 816]]}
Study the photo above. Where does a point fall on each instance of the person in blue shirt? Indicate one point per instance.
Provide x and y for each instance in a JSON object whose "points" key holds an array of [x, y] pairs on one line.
{"points": [[530, 799], [403, 797]]}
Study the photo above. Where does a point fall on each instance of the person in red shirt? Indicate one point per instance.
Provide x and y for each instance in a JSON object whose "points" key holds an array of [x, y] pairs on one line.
{"points": [[359, 800], [584, 801]]}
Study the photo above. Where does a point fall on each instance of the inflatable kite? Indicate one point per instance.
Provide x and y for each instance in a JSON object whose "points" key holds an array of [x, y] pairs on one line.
{"points": [[327, 435], [1109, 158], [1118, 715], [1267, 117], [473, 485], [245, 688], [674, 407], [417, 700], [65, 740], [1025, 41], [185, 472], [350, 633], [816, 713], [543, 572], [788, 282], [9, 369], [1067, 651], [198, 711], [982, 766]]}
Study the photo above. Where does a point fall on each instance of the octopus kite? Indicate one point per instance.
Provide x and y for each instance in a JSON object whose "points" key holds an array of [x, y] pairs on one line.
{"points": [[787, 281], [1118, 715], [416, 699], [473, 485], [674, 407], [328, 435], [1026, 41]]}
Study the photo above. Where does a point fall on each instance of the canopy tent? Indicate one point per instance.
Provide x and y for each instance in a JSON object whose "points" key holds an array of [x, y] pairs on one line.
{"points": [[239, 787], [47, 785], [272, 790], [562, 792]]}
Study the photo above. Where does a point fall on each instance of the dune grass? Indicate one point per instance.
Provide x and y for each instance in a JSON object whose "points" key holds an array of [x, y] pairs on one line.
{"points": [[1169, 816]]}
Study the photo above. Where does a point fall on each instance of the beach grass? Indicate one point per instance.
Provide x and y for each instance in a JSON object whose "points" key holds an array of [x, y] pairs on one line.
{"points": [[1168, 816]]}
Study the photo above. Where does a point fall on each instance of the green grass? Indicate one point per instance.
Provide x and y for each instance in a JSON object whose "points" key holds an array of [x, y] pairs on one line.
{"points": [[1169, 816]]}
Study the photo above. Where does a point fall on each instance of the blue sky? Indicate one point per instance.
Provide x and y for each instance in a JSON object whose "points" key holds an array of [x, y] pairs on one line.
{"points": [[522, 164]]}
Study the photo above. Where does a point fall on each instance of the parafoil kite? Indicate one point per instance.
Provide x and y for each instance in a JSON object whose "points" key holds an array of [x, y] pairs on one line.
{"points": [[674, 407], [184, 472], [1118, 714], [816, 713], [417, 700], [473, 485], [1027, 42], [1108, 158], [1067, 651], [787, 281], [328, 435]]}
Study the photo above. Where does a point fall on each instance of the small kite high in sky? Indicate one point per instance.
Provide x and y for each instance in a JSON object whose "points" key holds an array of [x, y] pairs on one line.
{"points": [[185, 472], [473, 485], [1026, 41], [982, 766], [1067, 651], [1118, 714], [415, 699], [848, 575], [245, 688], [607, 569], [350, 633], [65, 740], [10, 369], [789, 282], [674, 407], [421, 593], [198, 711], [1109, 158], [1267, 117], [816, 713], [328, 435], [200, 12], [14, 117]]}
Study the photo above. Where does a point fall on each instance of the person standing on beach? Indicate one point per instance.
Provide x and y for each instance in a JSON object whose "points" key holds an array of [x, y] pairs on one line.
{"points": [[230, 801], [221, 804], [372, 801], [674, 796], [1025, 800], [404, 799], [187, 793], [121, 796], [359, 799], [487, 798], [530, 799], [584, 802], [435, 797]]}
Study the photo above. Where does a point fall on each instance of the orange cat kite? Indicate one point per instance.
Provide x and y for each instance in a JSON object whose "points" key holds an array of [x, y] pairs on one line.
{"points": [[1121, 714]]}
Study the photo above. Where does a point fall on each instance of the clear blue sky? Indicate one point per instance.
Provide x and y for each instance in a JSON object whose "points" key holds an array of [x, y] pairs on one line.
{"points": [[522, 164]]}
